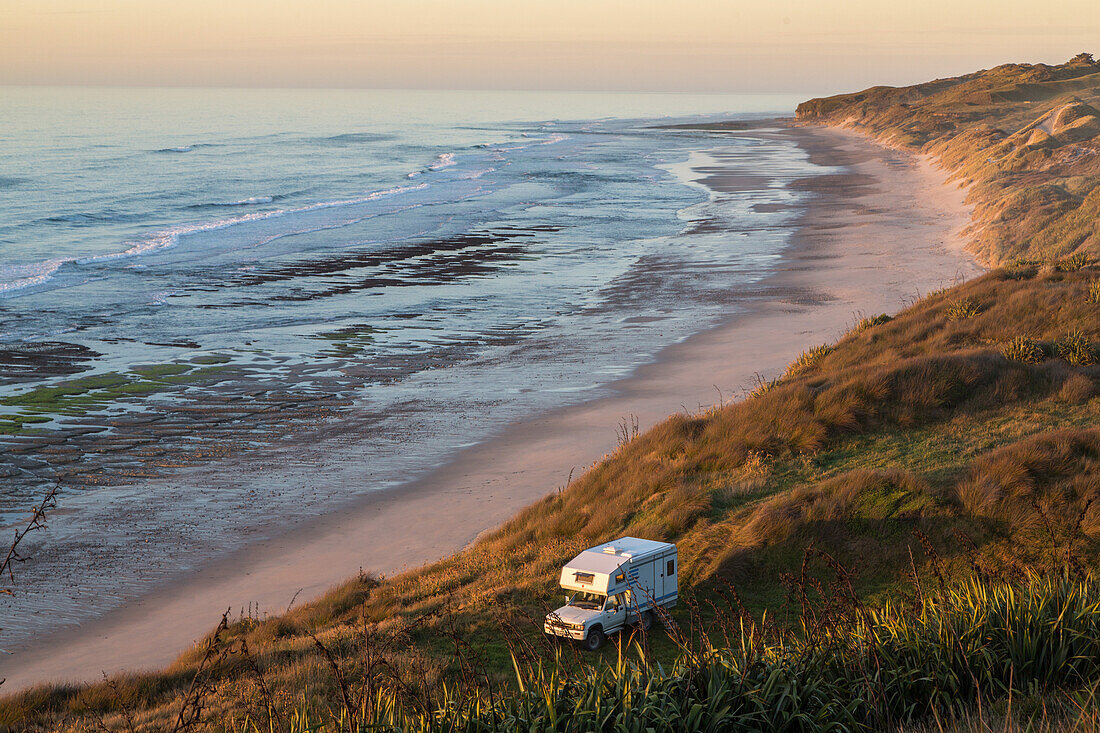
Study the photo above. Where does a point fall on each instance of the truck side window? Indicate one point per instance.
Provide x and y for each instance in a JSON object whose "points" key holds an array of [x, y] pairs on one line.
{"points": [[671, 567]]}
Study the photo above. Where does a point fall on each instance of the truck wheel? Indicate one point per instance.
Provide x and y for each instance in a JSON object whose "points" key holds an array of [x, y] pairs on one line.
{"points": [[594, 640], [645, 621]]}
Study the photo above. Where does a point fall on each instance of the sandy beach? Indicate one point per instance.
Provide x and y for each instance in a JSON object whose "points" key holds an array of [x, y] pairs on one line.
{"points": [[877, 233]]}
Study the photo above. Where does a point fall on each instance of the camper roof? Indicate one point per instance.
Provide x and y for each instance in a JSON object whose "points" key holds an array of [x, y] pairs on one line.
{"points": [[608, 557], [632, 547]]}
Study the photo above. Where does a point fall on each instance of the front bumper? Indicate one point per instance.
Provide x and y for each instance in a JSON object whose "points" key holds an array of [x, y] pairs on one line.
{"points": [[566, 632]]}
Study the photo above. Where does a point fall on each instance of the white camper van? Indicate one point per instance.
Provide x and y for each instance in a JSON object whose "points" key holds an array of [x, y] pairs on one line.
{"points": [[610, 586]]}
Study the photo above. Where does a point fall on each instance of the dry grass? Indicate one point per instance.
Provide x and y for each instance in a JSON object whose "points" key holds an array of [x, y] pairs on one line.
{"points": [[915, 427], [1046, 484], [1033, 202], [1077, 389]]}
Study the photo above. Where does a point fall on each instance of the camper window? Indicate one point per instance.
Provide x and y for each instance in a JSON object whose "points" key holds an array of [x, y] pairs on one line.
{"points": [[590, 601]]}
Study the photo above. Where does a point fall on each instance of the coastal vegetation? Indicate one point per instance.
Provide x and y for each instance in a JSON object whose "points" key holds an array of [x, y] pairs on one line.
{"points": [[922, 468], [900, 532], [1025, 138]]}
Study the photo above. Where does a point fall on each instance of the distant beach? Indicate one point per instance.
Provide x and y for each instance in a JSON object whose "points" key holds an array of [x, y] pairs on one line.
{"points": [[843, 226]]}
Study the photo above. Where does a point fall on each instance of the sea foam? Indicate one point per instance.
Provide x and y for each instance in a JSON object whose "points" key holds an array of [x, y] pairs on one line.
{"points": [[19, 277]]}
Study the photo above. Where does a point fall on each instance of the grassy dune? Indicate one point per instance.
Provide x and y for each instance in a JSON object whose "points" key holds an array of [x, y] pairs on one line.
{"points": [[1025, 137], [900, 531]]}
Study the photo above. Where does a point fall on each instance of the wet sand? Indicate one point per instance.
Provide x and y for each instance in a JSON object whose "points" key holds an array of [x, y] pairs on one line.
{"points": [[877, 233]]}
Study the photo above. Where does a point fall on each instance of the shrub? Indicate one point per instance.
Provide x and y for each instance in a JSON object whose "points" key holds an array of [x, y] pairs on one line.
{"points": [[1021, 269], [1023, 348], [1093, 295], [1073, 263], [808, 359], [762, 386], [1076, 349], [962, 308], [866, 322]]}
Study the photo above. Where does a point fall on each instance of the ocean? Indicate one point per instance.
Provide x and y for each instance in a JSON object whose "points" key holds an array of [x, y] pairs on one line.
{"points": [[189, 275]]}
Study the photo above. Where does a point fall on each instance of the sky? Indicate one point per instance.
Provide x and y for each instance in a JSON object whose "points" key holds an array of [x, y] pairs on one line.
{"points": [[613, 45]]}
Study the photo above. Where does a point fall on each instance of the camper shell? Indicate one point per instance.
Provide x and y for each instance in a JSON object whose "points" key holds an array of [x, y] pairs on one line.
{"points": [[612, 585]]}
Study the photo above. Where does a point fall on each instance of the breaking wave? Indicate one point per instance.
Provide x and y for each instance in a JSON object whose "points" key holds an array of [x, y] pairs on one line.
{"points": [[171, 236], [20, 277], [445, 160]]}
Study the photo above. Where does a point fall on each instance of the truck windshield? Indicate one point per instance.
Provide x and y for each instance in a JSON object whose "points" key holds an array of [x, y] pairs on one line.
{"points": [[584, 599]]}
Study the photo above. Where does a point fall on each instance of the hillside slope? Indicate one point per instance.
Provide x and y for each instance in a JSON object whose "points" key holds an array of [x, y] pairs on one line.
{"points": [[955, 442], [1025, 137], [958, 437]]}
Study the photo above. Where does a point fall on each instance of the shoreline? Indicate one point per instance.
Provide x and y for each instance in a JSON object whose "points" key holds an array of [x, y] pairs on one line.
{"points": [[873, 236]]}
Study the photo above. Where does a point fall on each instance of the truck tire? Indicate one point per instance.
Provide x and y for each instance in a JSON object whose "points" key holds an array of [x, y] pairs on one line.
{"points": [[594, 640], [645, 621]]}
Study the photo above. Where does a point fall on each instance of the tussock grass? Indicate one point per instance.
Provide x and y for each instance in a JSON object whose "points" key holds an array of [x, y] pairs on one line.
{"points": [[1093, 294], [1075, 348], [962, 308], [1022, 348], [864, 323], [761, 385], [807, 360], [1021, 269], [1073, 263]]}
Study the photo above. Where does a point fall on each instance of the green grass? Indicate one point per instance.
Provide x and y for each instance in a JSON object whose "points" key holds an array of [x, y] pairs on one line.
{"points": [[845, 668]]}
